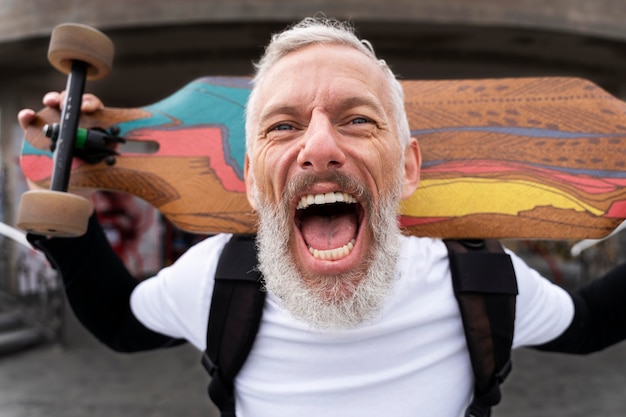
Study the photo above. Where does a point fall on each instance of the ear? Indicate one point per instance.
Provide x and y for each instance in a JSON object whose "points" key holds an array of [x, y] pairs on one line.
{"points": [[249, 181], [412, 167]]}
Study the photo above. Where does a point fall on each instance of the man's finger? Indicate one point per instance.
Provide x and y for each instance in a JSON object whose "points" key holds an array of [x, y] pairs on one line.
{"points": [[25, 117], [90, 102], [52, 99]]}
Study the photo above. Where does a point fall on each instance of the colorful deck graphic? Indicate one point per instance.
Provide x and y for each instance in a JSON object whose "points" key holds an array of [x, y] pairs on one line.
{"points": [[523, 158]]}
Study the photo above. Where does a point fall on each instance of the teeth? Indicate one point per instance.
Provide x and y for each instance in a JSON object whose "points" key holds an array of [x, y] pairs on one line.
{"points": [[328, 198], [333, 254]]}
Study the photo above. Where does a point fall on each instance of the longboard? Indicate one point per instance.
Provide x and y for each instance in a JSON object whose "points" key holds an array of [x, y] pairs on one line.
{"points": [[524, 158]]}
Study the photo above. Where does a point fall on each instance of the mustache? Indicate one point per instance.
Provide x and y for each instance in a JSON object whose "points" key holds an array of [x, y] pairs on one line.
{"points": [[301, 183]]}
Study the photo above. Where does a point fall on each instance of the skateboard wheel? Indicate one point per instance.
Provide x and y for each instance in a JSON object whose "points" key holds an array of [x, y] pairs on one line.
{"points": [[54, 213], [75, 42]]}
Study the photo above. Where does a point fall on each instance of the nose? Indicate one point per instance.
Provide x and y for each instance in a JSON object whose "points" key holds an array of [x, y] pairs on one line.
{"points": [[321, 150]]}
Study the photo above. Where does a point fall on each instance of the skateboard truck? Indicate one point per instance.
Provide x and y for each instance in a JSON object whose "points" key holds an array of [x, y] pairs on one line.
{"points": [[91, 145], [81, 52]]}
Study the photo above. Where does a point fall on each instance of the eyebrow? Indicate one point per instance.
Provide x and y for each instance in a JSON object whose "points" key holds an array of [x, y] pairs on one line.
{"points": [[276, 110], [348, 103], [366, 101]]}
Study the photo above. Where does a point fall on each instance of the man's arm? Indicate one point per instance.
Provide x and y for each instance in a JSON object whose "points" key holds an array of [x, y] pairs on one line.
{"points": [[599, 316], [98, 286]]}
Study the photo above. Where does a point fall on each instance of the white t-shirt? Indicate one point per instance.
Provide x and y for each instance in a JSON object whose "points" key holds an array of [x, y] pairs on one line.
{"points": [[410, 360]]}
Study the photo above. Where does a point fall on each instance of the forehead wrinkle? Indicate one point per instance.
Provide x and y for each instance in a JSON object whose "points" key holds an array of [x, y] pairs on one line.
{"points": [[362, 101], [343, 105], [362, 74], [279, 110], [287, 101]]}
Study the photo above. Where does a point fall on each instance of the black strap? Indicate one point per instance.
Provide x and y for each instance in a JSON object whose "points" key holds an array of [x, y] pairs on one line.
{"points": [[234, 319], [485, 287]]}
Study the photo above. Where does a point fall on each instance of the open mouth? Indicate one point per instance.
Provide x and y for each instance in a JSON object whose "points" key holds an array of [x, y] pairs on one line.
{"points": [[329, 224]]}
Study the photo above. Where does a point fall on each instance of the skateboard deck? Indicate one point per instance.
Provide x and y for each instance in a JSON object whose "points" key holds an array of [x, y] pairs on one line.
{"points": [[524, 158]]}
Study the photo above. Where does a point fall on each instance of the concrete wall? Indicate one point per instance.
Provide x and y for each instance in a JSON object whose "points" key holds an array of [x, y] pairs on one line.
{"points": [[25, 18]]}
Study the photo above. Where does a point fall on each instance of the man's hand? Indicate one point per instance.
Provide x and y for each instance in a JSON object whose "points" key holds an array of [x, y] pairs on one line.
{"points": [[55, 100]]}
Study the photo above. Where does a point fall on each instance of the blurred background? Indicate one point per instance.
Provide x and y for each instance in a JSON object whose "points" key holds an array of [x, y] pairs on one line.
{"points": [[49, 366]]}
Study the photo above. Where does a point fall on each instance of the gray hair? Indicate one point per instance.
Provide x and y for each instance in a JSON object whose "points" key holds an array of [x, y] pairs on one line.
{"points": [[316, 30]]}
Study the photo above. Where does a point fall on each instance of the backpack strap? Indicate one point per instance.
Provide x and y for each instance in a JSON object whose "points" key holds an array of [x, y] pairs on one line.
{"points": [[484, 285], [486, 288], [234, 319]]}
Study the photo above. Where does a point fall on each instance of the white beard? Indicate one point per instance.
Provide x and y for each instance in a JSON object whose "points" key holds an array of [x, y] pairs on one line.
{"points": [[325, 305]]}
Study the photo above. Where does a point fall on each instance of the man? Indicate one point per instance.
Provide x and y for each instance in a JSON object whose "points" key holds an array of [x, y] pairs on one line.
{"points": [[359, 320]]}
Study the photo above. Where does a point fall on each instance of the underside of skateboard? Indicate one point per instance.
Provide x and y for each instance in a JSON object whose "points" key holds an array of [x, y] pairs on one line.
{"points": [[537, 158]]}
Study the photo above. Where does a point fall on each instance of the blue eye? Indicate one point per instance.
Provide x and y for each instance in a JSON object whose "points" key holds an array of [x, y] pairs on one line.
{"points": [[281, 126], [360, 120]]}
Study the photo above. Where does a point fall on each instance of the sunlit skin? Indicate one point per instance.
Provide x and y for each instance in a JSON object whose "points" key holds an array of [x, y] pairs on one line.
{"points": [[325, 108]]}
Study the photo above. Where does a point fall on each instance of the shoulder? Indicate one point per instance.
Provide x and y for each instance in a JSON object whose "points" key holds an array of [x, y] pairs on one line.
{"points": [[204, 252], [198, 263], [422, 248], [424, 259], [176, 301], [195, 269]]}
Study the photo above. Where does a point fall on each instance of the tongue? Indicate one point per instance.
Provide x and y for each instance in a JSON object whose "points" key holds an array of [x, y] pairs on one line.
{"points": [[329, 232]]}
